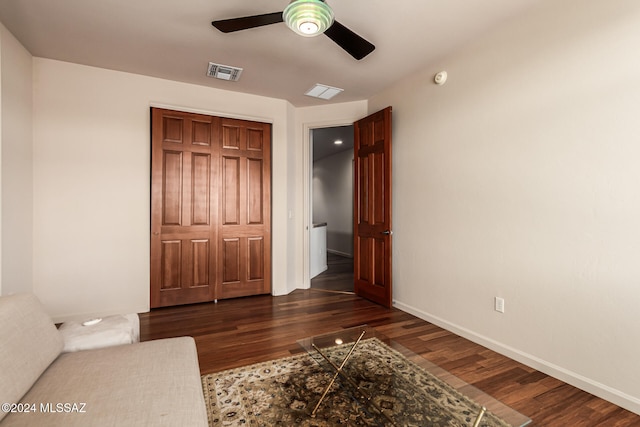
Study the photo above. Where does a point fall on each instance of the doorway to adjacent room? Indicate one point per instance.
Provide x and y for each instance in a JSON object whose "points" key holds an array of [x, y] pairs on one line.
{"points": [[332, 209], [371, 185]]}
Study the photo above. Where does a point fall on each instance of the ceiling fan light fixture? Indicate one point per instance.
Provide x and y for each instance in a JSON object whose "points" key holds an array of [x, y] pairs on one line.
{"points": [[308, 18]]}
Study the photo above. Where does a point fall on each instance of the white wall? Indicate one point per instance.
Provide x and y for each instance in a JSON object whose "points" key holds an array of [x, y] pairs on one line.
{"points": [[2, 32], [333, 200], [292, 210], [91, 182], [16, 189], [519, 178]]}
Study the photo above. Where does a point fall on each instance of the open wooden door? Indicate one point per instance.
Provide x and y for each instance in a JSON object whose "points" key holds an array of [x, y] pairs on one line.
{"points": [[372, 208]]}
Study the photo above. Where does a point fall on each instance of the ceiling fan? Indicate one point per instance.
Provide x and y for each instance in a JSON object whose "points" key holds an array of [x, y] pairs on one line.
{"points": [[307, 18]]}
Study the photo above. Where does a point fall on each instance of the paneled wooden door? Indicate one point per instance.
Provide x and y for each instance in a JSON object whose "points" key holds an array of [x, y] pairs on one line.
{"points": [[372, 208], [210, 208], [245, 209]]}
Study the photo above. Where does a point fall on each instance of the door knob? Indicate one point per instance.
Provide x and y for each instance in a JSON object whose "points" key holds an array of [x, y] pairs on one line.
{"points": [[387, 232]]}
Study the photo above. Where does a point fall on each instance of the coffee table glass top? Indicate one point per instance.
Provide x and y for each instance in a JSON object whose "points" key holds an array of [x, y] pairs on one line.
{"points": [[379, 377]]}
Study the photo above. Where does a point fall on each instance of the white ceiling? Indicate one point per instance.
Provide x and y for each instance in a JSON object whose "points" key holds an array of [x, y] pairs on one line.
{"points": [[175, 40]]}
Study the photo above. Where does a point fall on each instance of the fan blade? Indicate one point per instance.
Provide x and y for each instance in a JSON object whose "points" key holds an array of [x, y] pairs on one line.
{"points": [[355, 45], [246, 22]]}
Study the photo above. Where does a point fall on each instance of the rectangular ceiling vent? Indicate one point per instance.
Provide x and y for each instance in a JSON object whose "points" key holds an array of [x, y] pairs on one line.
{"points": [[224, 72], [323, 91]]}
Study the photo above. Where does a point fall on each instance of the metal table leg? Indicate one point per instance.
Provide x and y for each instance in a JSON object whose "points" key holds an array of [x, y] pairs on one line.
{"points": [[339, 371]]}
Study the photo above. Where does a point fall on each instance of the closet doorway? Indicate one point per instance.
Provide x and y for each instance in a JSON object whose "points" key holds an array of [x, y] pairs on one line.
{"points": [[331, 251], [210, 208]]}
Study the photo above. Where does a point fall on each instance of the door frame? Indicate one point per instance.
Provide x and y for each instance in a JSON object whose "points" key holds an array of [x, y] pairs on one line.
{"points": [[307, 186]]}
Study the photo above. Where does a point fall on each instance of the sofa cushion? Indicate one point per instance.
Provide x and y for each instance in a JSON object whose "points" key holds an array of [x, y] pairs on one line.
{"points": [[153, 383], [30, 342]]}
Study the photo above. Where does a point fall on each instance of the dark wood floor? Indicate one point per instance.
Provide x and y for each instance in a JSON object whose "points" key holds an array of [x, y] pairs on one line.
{"points": [[238, 332], [337, 277]]}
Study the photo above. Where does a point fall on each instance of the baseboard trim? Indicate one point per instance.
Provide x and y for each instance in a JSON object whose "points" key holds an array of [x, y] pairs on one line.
{"points": [[322, 270], [344, 254], [603, 391]]}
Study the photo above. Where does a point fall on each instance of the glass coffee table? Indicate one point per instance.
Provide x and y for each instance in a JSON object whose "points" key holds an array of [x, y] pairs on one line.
{"points": [[400, 387]]}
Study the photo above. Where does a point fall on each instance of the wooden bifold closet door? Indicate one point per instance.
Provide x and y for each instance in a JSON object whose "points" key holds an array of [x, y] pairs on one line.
{"points": [[210, 208]]}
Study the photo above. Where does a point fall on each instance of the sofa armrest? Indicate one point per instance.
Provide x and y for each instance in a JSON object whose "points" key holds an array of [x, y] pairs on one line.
{"points": [[30, 342]]}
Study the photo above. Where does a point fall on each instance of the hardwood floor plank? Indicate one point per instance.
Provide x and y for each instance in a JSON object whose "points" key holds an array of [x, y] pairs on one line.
{"points": [[338, 276], [243, 331]]}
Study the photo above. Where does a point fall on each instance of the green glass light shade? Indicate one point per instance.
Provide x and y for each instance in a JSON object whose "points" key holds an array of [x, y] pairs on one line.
{"points": [[308, 18]]}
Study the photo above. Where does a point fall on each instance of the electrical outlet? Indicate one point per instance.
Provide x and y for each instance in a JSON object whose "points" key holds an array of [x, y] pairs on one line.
{"points": [[499, 304]]}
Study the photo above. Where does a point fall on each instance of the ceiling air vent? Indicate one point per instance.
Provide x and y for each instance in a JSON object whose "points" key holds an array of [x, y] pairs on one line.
{"points": [[224, 72], [323, 91]]}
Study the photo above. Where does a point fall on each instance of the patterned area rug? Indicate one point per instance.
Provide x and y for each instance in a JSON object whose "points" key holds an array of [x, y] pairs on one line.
{"points": [[284, 392]]}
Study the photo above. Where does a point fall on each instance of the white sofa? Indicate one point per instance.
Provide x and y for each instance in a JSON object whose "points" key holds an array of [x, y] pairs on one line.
{"points": [[154, 383]]}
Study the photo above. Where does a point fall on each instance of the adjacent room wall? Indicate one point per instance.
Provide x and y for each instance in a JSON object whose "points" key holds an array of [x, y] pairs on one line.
{"points": [[333, 200], [16, 181], [519, 179], [91, 182]]}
